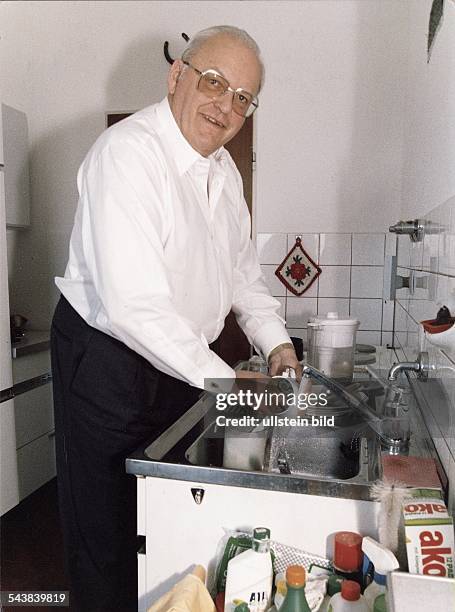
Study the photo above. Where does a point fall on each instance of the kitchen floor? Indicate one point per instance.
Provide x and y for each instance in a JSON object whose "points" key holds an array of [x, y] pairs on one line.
{"points": [[32, 547]]}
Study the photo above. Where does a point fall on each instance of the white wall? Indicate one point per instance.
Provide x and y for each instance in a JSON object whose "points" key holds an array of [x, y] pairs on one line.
{"points": [[329, 130], [429, 144]]}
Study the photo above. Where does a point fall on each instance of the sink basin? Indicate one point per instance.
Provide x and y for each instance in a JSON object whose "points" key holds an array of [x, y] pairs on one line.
{"points": [[309, 452]]}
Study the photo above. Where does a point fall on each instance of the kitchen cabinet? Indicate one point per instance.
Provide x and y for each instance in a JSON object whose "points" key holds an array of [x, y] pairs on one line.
{"points": [[34, 424], [15, 158], [9, 492]]}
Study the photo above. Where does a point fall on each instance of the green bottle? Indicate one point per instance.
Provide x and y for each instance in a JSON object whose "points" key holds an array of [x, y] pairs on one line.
{"points": [[242, 607], [295, 600]]}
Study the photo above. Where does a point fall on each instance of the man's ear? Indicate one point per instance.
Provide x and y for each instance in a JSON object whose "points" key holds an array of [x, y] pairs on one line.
{"points": [[173, 75]]}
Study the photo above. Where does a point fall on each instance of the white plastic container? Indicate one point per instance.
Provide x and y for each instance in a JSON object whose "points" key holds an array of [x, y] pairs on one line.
{"points": [[349, 600], [331, 345], [250, 575]]}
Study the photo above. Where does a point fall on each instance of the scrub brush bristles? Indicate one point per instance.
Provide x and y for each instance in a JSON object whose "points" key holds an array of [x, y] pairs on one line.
{"points": [[391, 497]]}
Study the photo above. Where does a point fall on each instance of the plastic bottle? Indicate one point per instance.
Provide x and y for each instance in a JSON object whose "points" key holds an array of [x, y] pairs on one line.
{"points": [[347, 560], [250, 575], [295, 600], [349, 600], [383, 561], [380, 604]]}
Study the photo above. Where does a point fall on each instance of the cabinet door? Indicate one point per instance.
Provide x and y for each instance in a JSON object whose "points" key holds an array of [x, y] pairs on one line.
{"points": [[36, 464], [8, 463], [16, 160], [34, 414]]}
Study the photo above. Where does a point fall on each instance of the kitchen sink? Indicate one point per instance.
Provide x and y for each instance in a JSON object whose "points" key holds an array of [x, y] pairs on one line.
{"points": [[343, 453]]}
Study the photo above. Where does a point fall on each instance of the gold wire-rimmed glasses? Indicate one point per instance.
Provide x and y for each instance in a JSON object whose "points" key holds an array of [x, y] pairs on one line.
{"points": [[213, 84]]}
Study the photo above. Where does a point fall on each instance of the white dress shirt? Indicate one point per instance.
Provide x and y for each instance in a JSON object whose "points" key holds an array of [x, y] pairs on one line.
{"points": [[160, 250]]}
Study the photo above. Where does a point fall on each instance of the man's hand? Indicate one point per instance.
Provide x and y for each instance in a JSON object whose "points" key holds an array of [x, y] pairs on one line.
{"points": [[284, 358]]}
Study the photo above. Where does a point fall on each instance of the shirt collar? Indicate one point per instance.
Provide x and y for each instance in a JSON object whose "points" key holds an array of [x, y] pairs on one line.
{"points": [[184, 155]]}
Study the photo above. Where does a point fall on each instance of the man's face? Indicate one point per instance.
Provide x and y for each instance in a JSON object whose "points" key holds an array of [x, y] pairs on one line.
{"points": [[208, 123]]}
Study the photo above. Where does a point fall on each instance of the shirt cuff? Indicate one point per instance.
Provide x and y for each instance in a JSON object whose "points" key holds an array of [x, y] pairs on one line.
{"points": [[269, 336], [218, 371]]}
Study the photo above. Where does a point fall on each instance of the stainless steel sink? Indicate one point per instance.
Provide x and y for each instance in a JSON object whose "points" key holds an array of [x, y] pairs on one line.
{"points": [[311, 452]]}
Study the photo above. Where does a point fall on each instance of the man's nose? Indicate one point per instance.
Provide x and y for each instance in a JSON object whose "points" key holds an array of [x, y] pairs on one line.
{"points": [[225, 101]]}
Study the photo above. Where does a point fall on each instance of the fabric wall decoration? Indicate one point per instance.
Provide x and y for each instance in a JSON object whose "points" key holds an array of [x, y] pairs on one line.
{"points": [[298, 271]]}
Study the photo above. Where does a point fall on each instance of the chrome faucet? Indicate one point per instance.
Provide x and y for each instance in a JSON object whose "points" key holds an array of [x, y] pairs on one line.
{"points": [[420, 366], [353, 402]]}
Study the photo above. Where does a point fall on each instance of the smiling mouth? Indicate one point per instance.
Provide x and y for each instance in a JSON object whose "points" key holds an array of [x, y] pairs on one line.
{"points": [[213, 121]]}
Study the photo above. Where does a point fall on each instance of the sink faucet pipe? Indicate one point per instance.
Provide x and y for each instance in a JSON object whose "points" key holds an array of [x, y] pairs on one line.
{"points": [[352, 401], [421, 366]]}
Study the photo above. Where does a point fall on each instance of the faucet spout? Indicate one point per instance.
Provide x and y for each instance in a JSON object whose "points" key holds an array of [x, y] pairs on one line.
{"points": [[421, 366], [352, 401]]}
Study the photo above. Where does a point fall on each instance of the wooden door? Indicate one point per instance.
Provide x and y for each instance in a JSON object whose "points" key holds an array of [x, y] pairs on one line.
{"points": [[232, 343]]}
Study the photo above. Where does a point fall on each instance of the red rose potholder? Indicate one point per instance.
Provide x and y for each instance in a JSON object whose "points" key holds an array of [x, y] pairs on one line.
{"points": [[298, 271]]}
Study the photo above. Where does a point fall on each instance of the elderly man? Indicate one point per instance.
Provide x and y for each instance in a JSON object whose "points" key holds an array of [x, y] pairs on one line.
{"points": [[159, 254]]}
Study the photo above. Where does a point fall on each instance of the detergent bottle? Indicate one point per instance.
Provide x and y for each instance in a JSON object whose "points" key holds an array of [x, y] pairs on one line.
{"points": [[383, 561]]}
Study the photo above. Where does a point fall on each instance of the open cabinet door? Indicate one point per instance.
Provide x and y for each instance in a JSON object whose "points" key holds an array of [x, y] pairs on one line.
{"points": [[9, 488]]}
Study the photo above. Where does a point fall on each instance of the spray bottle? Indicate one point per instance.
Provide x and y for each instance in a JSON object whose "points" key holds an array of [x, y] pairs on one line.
{"points": [[383, 561]]}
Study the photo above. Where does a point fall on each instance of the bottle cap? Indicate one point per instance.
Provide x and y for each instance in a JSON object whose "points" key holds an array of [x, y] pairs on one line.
{"points": [[261, 533], [295, 575], [350, 590], [348, 551]]}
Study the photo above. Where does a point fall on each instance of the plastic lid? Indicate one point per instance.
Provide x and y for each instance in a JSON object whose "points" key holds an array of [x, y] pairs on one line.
{"points": [[261, 533], [295, 575], [332, 318], [348, 551], [350, 590]]}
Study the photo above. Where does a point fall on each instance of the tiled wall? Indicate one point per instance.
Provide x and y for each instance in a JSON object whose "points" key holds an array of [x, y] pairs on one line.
{"points": [[351, 282], [432, 261]]}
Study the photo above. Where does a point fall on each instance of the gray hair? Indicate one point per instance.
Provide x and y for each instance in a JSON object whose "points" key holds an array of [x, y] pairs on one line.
{"points": [[242, 36]]}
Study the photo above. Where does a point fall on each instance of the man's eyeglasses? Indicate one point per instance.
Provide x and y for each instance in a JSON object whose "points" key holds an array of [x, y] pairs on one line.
{"points": [[214, 85]]}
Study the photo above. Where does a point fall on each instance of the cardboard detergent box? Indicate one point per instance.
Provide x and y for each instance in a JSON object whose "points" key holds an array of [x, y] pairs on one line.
{"points": [[429, 533]]}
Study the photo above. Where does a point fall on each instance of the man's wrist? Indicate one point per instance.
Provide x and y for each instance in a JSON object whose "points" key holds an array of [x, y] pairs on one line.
{"points": [[279, 348]]}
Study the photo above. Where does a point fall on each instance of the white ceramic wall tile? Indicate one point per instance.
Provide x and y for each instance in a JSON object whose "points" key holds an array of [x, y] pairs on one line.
{"points": [[403, 292], [311, 292], [339, 305], [368, 249], [390, 244], [421, 310], [275, 286], [388, 307], [271, 248], [404, 250], [367, 281], [451, 242], [368, 312], [299, 310], [334, 281], [297, 332], [401, 315], [386, 338], [450, 303], [416, 255], [310, 242], [369, 337], [335, 249]]}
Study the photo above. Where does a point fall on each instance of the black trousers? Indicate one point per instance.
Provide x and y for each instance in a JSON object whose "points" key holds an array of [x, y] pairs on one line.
{"points": [[108, 401]]}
